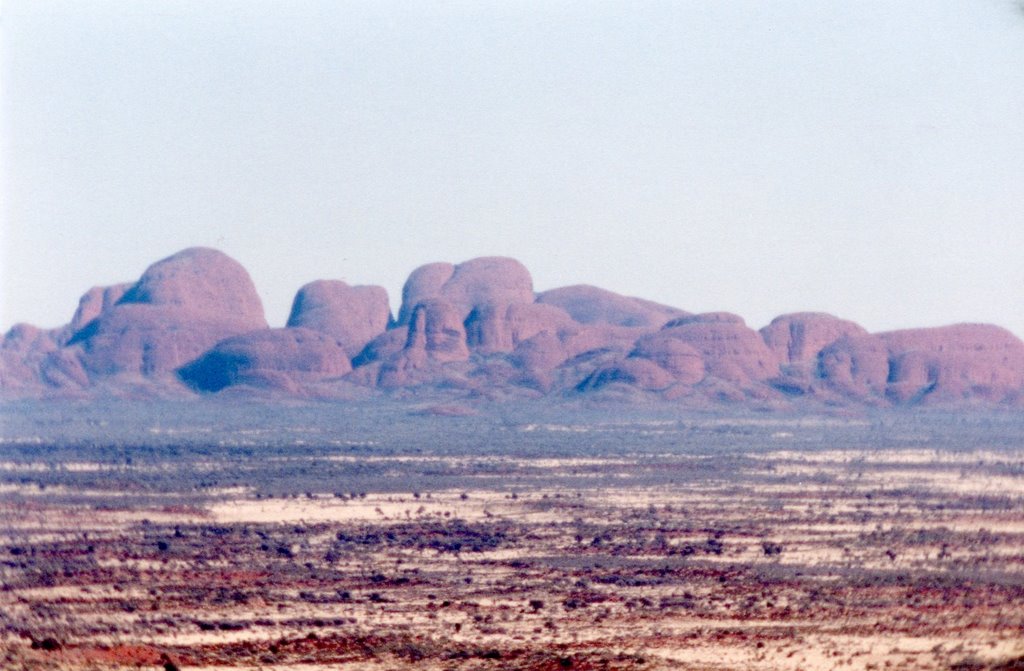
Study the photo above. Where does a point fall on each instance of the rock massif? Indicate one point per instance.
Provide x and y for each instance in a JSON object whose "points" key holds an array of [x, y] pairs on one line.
{"points": [[276, 358], [194, 324], [353, 315], [181, 307]]}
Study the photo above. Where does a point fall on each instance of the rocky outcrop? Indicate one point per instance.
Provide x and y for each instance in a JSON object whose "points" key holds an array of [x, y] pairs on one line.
{"points": [[690, 349], [23, 350], [560, 358], [277, 358], [949, 364], [352, 315], [641, 373], [591, 305], [797, 340], [799, 337], [62, 369], [179, 308], [476, 330], [731, 351], [436, 332], [198, 281], [448, 312], [92, 304], [540, 354], [500, 328], [423, 283], [486, 282], [435, 335], [857, 367], [538, 344], [32, 360], [681, 360], [954, 363]]}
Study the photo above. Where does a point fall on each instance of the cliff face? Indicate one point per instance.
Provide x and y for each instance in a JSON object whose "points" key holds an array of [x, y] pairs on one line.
{"points": [[193, 323]]}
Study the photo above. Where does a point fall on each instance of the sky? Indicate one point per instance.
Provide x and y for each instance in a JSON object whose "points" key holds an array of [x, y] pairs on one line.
{"points": [[863, 158]]}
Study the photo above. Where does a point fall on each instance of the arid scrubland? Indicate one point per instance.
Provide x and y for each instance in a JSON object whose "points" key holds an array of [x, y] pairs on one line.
{"points": [[315, 537]]}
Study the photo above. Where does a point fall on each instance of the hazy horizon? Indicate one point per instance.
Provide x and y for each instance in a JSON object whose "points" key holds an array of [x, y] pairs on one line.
{"points": [[855, 158]]}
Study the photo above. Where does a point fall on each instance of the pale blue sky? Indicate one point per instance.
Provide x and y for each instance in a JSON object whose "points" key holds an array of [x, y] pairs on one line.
{"points": [[860, 158]]}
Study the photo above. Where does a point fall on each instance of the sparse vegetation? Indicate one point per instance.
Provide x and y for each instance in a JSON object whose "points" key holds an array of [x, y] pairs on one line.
{"points": [[690, 544]]}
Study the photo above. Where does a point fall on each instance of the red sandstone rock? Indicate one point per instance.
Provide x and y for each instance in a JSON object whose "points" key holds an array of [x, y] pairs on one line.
{"points": [[487, 329], [480, 295], [912, 375], [657, 361], [424, 283], [23, 349], [681, 360], [475, 329], [179, 308], [641, 373], [352, 315], [797, 340], [93, 303], [276, 358], [62, 369], [599, 338], [955, 363], [383, 347], [730, 350], [800, 336], [706, 318], [199, 280], [525, 321], [491, 281], [540, 353], [500, 328], [435, 336], [857, 366], [436, 330], [573, 353], [591, 305], [24, 339], [715, 350]]}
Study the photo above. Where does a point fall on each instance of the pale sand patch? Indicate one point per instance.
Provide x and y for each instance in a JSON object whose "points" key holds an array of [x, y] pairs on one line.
{"points": [[69, 466], [441, 505], [951, 481], [853, 458], [376, 665], [858, 653], [482, 460]]}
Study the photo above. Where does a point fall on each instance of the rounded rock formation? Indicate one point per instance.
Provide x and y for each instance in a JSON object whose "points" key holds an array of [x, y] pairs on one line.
{"points": [[730, 350], [352, 315], [198, 280], [592, 305], [491, 281], [270, 357], [436, 330], [640, 373], [540, 353], [675, 356], [23, 350], [856, 366], [93, 303], [501, 328], [424, 283], [179, 308], [800, 336], [953, 363]]}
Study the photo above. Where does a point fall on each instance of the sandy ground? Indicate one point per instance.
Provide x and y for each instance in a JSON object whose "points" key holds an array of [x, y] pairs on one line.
{"points": [[909, 559]]}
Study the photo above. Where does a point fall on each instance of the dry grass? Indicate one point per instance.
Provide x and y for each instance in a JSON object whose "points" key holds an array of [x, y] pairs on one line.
{"points": [[801, 560]]}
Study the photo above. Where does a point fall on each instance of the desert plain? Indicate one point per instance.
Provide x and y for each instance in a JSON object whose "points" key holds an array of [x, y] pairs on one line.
{"points": [[373, 536]]}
